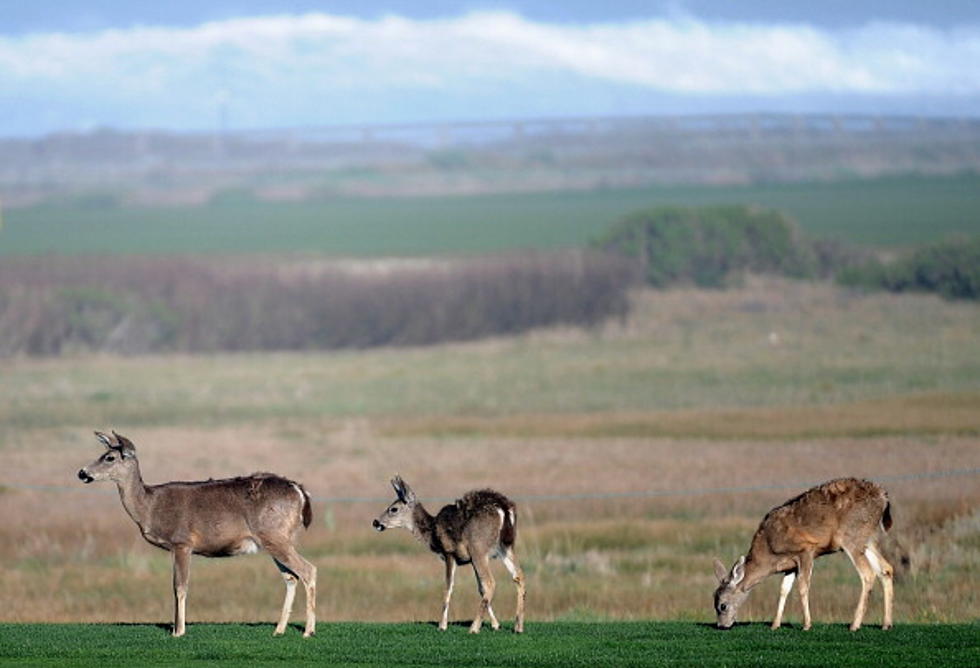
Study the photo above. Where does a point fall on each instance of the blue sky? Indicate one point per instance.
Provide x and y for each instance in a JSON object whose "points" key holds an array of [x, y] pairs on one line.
{"points": [[19, 17], [183, 65]]}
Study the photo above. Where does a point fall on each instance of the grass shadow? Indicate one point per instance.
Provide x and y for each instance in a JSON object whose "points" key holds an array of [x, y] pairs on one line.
{"points": [[168, 626]]}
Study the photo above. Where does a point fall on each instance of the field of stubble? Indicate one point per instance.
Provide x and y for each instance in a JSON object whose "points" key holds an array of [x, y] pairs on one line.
{"points": [[772, 386]]}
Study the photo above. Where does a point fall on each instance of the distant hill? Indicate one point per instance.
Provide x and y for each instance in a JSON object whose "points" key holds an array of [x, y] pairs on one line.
{"points": [[520, 155]]}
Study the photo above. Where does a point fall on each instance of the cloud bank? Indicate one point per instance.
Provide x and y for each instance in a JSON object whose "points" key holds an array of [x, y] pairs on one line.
{"points": [[323, 69]]}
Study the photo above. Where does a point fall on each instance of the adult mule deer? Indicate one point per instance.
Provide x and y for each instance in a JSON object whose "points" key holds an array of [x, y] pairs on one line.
{"points": [[214, 518], [843, 514], [478, 527]]}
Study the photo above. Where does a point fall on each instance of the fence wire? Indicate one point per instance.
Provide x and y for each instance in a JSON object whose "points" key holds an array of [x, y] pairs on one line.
{"points": [[574, 496]]}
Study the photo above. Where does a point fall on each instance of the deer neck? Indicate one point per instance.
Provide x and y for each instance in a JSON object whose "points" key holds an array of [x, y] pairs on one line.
{"points": [[134, 496], [756, 570], [423, 525]]}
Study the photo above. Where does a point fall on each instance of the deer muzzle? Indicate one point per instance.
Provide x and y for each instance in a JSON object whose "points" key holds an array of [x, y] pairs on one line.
{"points": [[84, 476], [378, 526]]}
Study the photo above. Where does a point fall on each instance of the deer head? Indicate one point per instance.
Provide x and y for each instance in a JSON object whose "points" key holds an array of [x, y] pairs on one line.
{"points": [[728, 595], [401, 512], [116, 463]]}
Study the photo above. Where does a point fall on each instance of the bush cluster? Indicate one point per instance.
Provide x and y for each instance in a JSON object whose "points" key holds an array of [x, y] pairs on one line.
{"points": [[52, 305], [950, 268], [706, 246]]}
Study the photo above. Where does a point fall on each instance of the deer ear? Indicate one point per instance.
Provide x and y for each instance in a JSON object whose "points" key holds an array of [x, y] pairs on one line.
{"points": [[404, 492], [738, 570], [126, 446], [399, 486], [105, 440], [720, 571]]}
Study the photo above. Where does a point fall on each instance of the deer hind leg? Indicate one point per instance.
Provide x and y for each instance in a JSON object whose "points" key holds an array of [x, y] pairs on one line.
{"points": [[287, 603], [182, 573], [867, 575], [885, 572], [784, 588], [486, 584], [804, 573], [517, 574], [288, 559], [450, 580]]}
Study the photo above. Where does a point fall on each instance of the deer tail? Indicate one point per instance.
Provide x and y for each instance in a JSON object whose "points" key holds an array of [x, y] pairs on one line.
{"points": [[508, 532], [307, 506]]}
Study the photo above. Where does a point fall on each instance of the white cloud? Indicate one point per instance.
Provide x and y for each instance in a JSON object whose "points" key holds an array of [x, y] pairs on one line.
{"points": [[294, 62]]}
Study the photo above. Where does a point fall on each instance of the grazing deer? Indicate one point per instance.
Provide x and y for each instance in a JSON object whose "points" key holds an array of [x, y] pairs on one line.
{"points": [[842, 514], [214, 518], [478, 527]]}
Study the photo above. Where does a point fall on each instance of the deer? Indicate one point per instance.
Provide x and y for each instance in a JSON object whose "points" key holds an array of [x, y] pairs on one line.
{"points": [[213, 518], [480, 526], [842, 514]]}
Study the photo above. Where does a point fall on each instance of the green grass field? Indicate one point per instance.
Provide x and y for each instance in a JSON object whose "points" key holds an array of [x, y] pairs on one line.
{"points": [[546, 644], [684, 349], [879, 212]]}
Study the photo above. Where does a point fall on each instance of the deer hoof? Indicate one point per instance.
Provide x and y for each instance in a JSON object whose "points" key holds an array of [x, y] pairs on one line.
{"points": [[474, 629], [309, 634], [854, 628], [885, 627]]}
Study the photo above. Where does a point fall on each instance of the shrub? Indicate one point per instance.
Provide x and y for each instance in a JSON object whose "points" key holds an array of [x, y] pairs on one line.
{"points": [[133, 305], [950, 268], [707, 245]]}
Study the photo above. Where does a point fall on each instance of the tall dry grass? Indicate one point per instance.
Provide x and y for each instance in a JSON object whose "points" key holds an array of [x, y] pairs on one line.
{"points": [[73, 554]]}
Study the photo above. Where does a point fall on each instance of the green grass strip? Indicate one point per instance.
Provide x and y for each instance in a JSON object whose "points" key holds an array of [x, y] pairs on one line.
{"points": [[544, 644]]}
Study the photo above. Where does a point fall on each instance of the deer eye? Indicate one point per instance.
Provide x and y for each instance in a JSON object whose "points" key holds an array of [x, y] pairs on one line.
{"points": [[723, 607], [110, 458]]}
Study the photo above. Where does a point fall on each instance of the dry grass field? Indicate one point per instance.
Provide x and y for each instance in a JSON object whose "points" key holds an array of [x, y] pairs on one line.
{"points": [[771, 386]]}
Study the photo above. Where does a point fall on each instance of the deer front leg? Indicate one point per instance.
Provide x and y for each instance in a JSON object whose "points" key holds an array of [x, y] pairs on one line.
{"points": [[784, 588], [182, 570], [804, 572], [485, 582], [450, 580]]}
